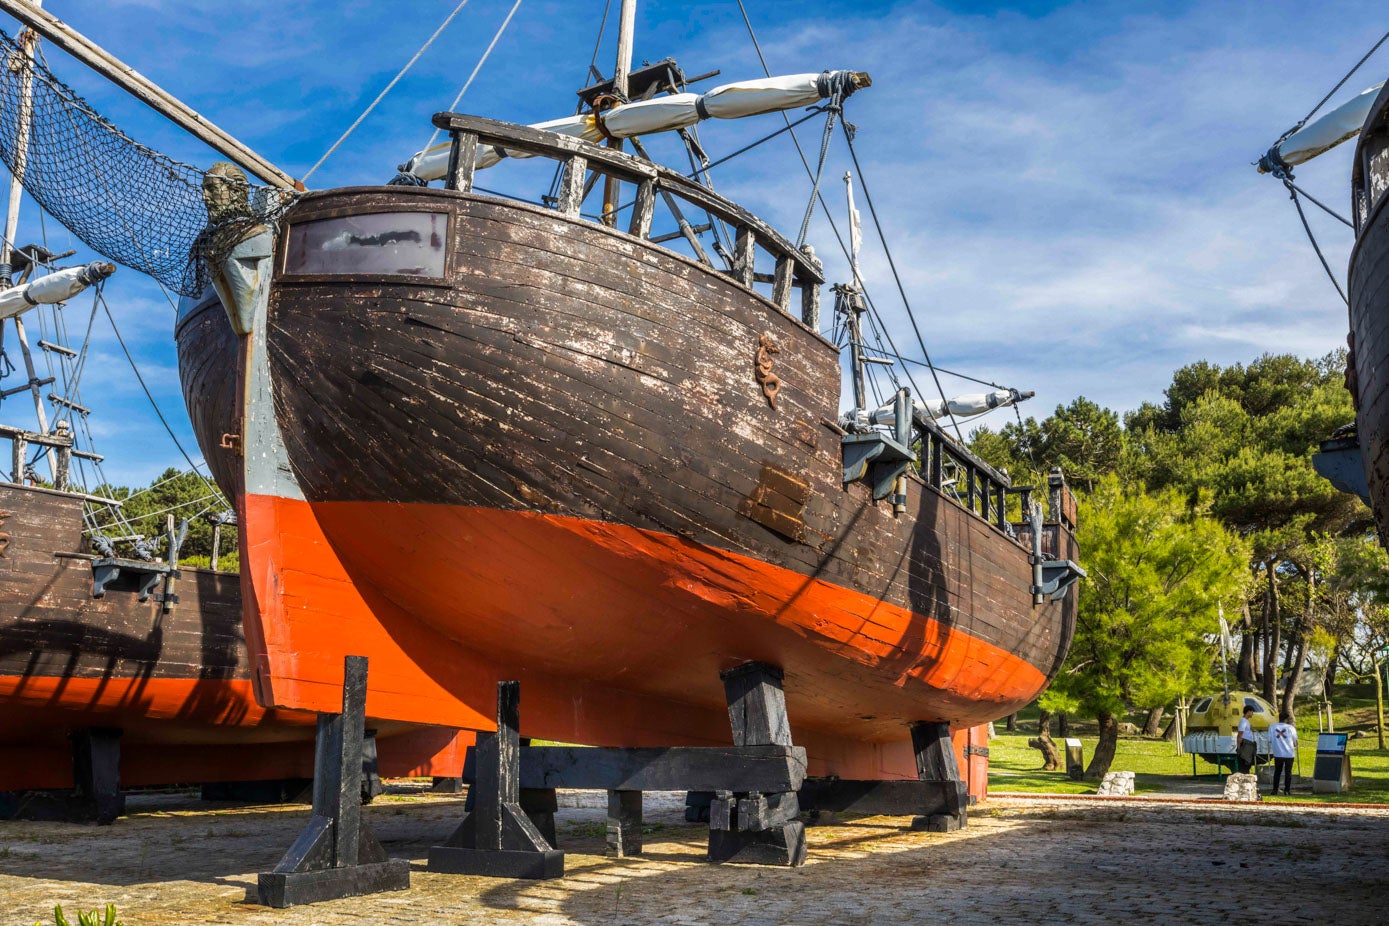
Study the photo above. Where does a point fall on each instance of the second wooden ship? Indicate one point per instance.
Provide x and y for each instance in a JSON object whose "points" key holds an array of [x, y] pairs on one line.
{"points": [[478, 439]]}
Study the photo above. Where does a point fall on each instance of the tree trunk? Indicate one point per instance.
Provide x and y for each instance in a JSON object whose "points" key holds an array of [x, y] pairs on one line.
{"points": [[1170, 734], [1271, 634], [1063, 725], [1244, 669], [1331, 666], [1379, 702], [1285, 710], [1012, 726], [1103, 756], [1297, 652], [1153, 726], [1051, 756]]}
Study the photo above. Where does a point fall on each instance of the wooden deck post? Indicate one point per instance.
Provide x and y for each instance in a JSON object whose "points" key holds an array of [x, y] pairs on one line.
{"points": [[810, 290], [571, 185], [462, 162], [744, 254], [336, 855]]}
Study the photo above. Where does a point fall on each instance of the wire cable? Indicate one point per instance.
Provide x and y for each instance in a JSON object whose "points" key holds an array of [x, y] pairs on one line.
{"points": [[1339, 85], [1292, 192], [478, 67], [382, 95], [897, 278]]}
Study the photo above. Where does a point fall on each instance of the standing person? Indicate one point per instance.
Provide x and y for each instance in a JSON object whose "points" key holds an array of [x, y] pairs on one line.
{"points": [[1246, 748], [1283, 737]]}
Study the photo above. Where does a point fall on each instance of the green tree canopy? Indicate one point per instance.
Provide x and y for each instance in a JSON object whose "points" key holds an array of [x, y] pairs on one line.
{"points": [[1158, 570]]}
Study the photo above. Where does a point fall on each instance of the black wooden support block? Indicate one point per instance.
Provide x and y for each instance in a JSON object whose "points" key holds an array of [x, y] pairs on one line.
{"points": [[757, 825], [935, 762], [336, 855], [96, 770], [497, 839], [446, 785], [888, 798], [784, 845], [624, 823], [678, 768]]}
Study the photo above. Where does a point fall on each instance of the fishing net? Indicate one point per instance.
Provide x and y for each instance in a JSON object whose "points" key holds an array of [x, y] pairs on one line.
{"points": [[136, 206]]}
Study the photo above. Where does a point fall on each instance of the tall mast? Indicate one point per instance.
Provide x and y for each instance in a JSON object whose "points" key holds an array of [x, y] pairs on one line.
{"points": [[626, 26], [27, 40]]}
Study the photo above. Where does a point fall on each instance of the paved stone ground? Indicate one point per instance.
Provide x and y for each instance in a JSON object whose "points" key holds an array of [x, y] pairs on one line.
{"points": [[1020, 861]]}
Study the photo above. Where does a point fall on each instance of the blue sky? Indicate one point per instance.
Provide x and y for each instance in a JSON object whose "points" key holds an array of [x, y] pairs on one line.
{"points": [[1067, 187]]}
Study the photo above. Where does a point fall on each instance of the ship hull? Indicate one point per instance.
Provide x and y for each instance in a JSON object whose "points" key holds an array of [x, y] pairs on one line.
{"points": [[176, 685], [554, 464], [1369, 307]]}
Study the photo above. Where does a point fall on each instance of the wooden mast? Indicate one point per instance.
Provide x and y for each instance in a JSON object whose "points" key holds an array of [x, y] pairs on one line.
{"points": [[143, 89], [27, 41], [612, 187]]}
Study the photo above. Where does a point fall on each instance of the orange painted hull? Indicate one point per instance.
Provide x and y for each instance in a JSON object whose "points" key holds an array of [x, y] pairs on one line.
{"points": [[617, 634], [184, 731]]}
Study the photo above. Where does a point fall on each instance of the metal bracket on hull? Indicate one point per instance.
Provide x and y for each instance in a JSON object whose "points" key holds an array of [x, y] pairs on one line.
{"points": [[336, 855], [146, 575], [876, 459], [1057, 576]]}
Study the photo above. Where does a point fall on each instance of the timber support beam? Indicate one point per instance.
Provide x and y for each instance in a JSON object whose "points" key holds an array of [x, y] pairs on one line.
{"points": [[336, 855]]}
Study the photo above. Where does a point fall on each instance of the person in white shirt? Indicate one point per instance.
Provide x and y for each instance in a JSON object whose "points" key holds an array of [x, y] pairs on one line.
{"points": [[1283, 738], [1246, 748]]}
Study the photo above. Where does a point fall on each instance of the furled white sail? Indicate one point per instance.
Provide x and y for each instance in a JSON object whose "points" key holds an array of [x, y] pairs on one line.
{"points": [[668, 113], [1341, 124], [55, 287], [961, 406]]}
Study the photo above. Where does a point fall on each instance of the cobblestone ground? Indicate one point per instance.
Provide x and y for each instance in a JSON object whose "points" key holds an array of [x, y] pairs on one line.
{"points": [[1019, 861]]}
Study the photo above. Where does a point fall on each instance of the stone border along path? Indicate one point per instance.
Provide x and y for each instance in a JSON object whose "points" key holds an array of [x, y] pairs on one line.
{"points": [[1021, 860]]}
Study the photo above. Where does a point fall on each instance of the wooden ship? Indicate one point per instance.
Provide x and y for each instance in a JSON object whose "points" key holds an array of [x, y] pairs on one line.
{"points": [[1369, 305], [1356, 459], [121, 668], [481, 440], [477, 439]]}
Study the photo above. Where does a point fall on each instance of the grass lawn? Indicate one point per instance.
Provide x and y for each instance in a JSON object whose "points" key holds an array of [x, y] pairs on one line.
{"points": [[1014, 766]]}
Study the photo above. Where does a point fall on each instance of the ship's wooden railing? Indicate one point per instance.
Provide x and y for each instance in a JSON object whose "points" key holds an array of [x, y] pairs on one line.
{"points": [[980, 488], [795, 268]]}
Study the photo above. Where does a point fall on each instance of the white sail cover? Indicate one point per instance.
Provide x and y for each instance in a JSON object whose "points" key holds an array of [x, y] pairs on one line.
{"points": [[961, 406], [668, 113], [57, 286], [1341, 124]]}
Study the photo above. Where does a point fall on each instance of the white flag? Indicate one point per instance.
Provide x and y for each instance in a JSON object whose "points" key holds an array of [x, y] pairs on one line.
{"points": [[1225, 644], [855, 226]]}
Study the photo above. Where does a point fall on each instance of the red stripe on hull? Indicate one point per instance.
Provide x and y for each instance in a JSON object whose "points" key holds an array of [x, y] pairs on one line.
{"points": [[617, 634]]}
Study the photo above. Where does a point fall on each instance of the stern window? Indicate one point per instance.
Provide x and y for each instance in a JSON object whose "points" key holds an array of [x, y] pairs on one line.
{"points": [[393, 243]]}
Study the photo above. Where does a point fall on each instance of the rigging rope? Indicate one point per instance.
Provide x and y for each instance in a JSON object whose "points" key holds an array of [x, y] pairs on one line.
{"points": [[153, 404], [1339, 85], [897, 277], [481, 61], [1292, 193], [834, 227], [382, 95]]}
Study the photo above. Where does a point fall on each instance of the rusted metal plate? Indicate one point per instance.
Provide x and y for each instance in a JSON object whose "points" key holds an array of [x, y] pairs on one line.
{"points": [[778, 503]]}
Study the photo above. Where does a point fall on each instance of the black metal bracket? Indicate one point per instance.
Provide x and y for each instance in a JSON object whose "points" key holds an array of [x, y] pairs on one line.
{"points": [[147, 575], [1057, 576], [336, 855], [876, 459], [497, 839]]}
